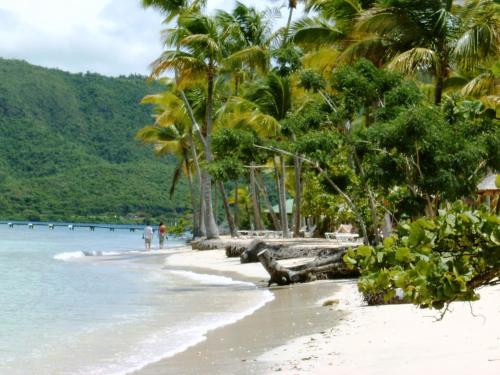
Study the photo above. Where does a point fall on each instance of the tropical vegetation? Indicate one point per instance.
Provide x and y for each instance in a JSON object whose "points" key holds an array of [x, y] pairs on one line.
{"points": [[377, 113]]}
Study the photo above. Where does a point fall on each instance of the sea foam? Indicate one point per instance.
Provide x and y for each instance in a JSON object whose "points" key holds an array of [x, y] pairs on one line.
{"points": [[158, 346], [207, 279], [82, 254]]}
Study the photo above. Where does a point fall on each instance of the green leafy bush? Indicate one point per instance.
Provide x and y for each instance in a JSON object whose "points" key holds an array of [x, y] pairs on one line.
{"points": [[432, 261]]}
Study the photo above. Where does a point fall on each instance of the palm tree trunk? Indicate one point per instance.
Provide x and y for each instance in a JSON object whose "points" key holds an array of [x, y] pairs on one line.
{"points": [[210, 225], [441, 71], [367, 115], [229, 216], [438, 92], [288, 23], [281, 202], [387, 226], [199, 209], [298, 196], [267, 202], [371, 199], [255, 203], [236, 206], [282, 196], [215, 200], [203, 228], [298, 192], [196, 225]]}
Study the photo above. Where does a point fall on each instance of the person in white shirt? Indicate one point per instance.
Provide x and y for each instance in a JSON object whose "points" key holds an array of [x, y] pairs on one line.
{"points": [[148, 236]]}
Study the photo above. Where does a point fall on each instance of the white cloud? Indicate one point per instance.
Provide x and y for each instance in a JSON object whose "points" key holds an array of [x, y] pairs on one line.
{"points": [[111, 37]]}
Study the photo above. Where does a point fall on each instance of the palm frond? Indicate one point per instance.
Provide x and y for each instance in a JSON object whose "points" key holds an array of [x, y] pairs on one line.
{"points": [[383, 21], [205, 40], [241, 113], [170, 8], [254, 57], [264, 125], [171, 61], [167, 148], [477, 45], [454, 83], [414, 60], [371, 47], [323, 59], [148, 134], [484, 84], [175, 178], [315, 32], [491, 102], [342, 13]]}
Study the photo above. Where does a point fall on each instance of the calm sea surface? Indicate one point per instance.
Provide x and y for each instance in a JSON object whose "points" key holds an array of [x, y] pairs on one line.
{"points": [[81, 302]]}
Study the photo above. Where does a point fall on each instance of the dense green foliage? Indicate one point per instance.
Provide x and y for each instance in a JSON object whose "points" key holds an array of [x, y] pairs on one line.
{"points": [[433, 261], [370, 113], [67, 150]]}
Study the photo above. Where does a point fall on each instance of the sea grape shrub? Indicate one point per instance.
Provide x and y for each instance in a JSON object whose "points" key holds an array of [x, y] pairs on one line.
{"points": [[432, 261]]}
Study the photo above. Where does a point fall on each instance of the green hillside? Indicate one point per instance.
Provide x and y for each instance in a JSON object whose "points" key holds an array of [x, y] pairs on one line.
{"points": [[67, 148]]}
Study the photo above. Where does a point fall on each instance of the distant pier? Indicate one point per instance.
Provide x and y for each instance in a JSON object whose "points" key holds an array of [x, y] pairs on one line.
{"points": [[71, 226]]}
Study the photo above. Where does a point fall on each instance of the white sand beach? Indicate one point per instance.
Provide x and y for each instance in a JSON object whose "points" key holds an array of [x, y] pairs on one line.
{"points": [[374, 339]]}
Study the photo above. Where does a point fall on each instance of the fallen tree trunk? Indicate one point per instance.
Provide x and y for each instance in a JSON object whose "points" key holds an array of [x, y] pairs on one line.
{"points": [[284, 250], [322, 268]]}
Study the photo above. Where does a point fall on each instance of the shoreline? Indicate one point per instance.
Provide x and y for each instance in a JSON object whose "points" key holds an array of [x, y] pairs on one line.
{"points": [[234, 348], [296, 334]]}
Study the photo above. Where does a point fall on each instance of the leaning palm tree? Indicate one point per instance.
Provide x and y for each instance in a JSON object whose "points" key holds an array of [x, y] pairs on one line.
{"points": [[201, 54], [173, 10], [171, 134], [431, 37]]}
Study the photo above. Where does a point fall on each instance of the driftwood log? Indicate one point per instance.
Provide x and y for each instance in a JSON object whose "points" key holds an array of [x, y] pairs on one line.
{"points": [[329, 267], [285, 250], [234, 250], [204, 244]]}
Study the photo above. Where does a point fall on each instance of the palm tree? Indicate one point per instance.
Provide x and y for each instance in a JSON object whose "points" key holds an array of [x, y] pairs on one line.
{"points": [[242, 114], [174, 9], [171, 134], [248, 42], [429, 36], [201, 54], [332, 24], [273, 96]]}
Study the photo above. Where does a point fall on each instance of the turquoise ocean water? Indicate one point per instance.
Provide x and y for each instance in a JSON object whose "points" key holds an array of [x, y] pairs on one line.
{"points": [[81, 302]]}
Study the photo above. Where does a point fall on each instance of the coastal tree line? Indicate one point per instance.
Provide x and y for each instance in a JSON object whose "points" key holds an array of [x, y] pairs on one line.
{"points": [[377, 113]]}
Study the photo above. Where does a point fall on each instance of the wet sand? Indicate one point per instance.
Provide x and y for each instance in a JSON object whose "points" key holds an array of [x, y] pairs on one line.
{"points": [[234, 349]]}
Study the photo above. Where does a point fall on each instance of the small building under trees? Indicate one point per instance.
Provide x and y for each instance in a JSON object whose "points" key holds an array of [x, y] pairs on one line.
{"points": [[489, 191]]}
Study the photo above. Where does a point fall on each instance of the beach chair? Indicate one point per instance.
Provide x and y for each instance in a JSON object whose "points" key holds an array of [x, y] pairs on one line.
{"points": [[343, 234]]}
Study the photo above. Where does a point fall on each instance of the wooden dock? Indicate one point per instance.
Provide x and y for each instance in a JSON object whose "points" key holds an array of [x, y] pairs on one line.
{"points": [[72, 226]]}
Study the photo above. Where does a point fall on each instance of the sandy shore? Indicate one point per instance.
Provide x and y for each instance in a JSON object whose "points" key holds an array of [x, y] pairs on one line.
{"points": [[296, 334], [401, 339]]}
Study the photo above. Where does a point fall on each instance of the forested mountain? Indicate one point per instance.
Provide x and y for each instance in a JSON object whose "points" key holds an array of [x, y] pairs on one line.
{"points": [[67, 148]]}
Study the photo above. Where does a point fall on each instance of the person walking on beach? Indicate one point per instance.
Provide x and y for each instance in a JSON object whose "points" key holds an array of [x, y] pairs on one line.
{"points": [[162, 232], [148, 236]]}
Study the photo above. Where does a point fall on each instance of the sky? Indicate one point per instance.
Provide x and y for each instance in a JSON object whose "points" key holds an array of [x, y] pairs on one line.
{"points": [[110, 37]]}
